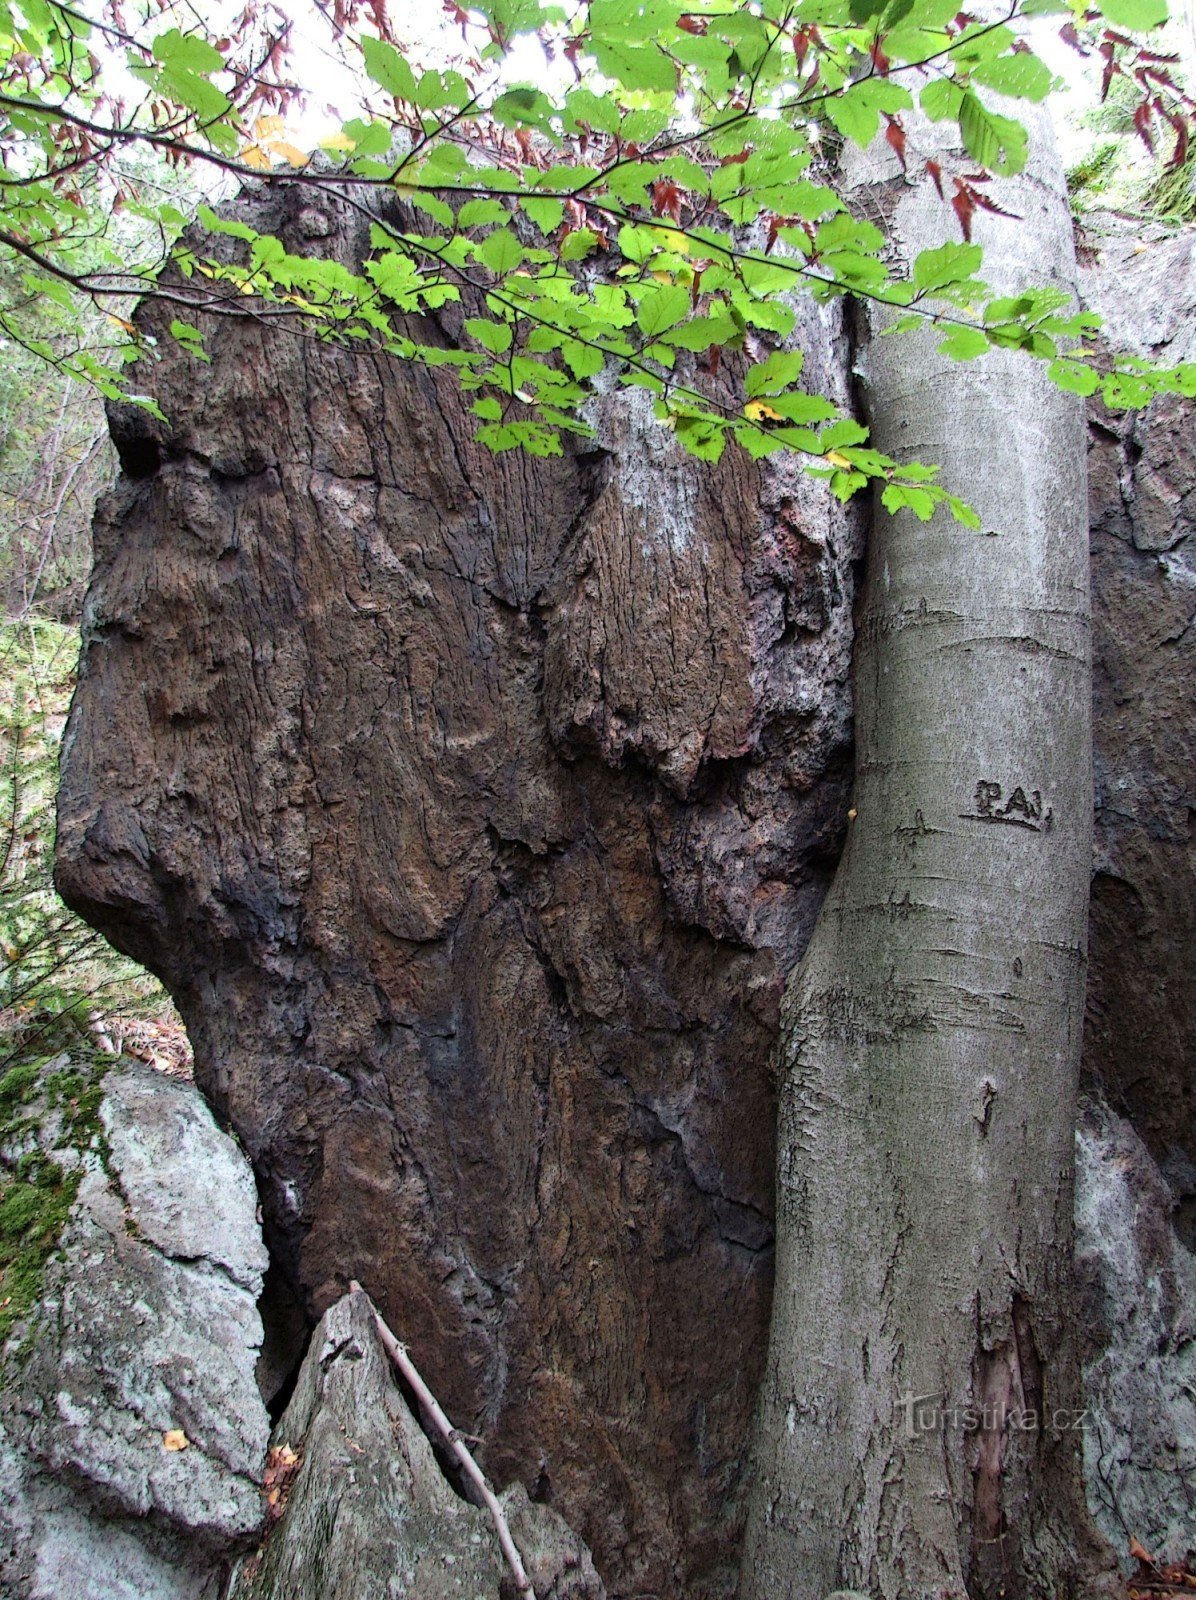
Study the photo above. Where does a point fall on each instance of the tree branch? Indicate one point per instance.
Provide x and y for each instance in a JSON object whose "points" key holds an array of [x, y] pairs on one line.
{"points": [[452, 1438]]}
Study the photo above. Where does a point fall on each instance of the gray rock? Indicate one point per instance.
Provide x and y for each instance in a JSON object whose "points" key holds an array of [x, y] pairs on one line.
{"points": [[1138, 1283], [148, 1324], [370, 1514]]}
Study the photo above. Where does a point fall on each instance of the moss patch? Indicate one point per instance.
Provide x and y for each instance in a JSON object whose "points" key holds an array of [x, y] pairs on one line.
{"points": [[37, 1189]]}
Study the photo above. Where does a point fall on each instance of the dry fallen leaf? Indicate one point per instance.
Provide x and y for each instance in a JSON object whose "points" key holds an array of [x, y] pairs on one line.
{"points": [[175, 1439]]}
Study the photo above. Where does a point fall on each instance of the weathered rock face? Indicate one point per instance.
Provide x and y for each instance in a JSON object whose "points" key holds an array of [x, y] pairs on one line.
{"points": [[369, 1512], [1141, 1029], [1138, 1313], [148, 1324], [472, 809]]}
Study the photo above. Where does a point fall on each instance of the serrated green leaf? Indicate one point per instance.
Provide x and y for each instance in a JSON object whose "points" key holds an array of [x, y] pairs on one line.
{"points": [[661, 309], [964, 344], [544, 211], [493, 336], [388, 69], [500, 251], [190, 52]]}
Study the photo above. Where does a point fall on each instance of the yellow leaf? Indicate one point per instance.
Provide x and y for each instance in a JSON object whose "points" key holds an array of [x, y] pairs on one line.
{"points": [[837, 459], [120, 322], [672, 239], [254, 156], [268, 127], [289, 153], [337, 141], [756, 411], [175, 1439]]}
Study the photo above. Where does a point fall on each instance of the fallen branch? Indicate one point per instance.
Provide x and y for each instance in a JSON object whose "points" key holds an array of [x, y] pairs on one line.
{"points": [[454, 1440]]}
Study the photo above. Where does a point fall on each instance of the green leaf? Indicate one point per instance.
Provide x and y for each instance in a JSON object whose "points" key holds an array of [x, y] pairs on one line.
{"points": [[947, 264], [856, 112], [782, 368], [190, 338], [997, 143], [493, 336], [584, 360], [500, 251], [899, 496], [545, 212], [481, 213], [1022, 75], [661, 309], [1074, 377], [635, 66], [963, 344], [189, 52], [1137, 15], [578, 243]]}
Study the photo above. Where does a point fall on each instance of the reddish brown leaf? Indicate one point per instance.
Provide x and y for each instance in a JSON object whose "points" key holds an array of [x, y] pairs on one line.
{"points": [[666, 199], [986, 204], [879, 60], [963, 205], [1180, 124], [1142, 125], [1111, 67], [895, 136], [936, 174], [690, 24]]}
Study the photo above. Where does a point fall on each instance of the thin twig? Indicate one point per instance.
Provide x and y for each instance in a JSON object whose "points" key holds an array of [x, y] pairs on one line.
{"points": [[452, 1437]]}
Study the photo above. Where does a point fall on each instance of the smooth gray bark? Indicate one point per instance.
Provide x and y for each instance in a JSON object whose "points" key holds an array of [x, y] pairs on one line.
{"points": [[931, 1036]]}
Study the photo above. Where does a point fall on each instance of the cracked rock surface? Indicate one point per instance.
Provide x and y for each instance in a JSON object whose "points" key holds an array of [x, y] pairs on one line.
{"points": [[148, 1324], [472, 808], [1138, 1311], [370, 1513]]}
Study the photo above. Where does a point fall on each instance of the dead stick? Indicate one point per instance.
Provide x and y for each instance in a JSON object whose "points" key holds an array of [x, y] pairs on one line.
{"points": [[398, 1354]]}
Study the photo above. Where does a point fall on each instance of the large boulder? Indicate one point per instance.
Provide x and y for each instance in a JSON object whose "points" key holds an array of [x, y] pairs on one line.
{"points": [[472, 808], [132, 1433], [1141, 1028]]}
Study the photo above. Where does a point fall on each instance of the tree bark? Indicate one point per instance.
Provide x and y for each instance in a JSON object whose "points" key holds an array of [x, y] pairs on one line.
{"points": [[913, 1433]]}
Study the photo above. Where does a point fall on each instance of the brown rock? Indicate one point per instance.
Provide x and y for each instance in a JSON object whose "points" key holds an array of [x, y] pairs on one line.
{"points": [[1141, 1026], [472, 808]]}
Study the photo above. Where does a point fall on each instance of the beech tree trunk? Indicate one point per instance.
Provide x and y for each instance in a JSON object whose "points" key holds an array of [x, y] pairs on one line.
{"points": [[916, 1430]]}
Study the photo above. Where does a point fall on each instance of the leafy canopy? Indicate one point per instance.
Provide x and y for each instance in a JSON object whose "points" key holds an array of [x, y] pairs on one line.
{"points": [[645, 212]]}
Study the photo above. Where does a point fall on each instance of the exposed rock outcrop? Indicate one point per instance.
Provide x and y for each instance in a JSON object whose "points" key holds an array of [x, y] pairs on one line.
{"points": [[369, 1513], [1138, 1312], [1141, 1029], [145, 1337], [472, 808]]}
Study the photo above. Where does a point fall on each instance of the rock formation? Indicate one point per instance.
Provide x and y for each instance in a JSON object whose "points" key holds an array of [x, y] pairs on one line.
{"points": [[363, 1508], [473, 809], [132, 1433]]}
